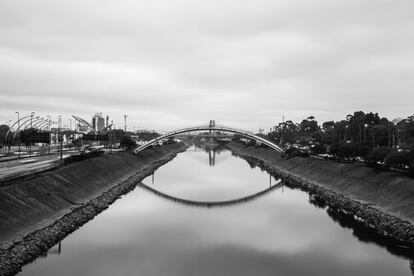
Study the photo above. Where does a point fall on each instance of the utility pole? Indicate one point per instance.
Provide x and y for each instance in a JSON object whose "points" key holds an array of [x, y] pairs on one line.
{"points": [[125, 116]]}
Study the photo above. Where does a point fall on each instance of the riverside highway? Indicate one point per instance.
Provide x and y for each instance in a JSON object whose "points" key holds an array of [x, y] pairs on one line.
{"points": [[29, 165]]}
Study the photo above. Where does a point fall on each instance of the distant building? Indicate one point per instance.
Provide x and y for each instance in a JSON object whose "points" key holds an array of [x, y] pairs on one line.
{"points": [[98, 122], [82, 128]]}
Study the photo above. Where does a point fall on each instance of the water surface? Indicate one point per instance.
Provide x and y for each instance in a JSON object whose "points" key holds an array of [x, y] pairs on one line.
{"points": [[277, 233]]}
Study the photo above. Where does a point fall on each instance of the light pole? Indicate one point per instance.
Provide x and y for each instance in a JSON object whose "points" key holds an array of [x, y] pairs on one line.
{"points": [[393, 134], [18, 127], [365, 127], [59, 138], [48, 119], [10, 142], [30, 139], [346, 135], [71, 135], [125, 116]]}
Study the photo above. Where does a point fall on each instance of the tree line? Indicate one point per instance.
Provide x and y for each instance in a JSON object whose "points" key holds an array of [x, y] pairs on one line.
{"points": [[360, 136]]}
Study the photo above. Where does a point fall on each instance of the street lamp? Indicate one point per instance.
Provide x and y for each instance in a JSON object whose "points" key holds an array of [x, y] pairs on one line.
{"points": [[10, 142], [365, 127], [18, 127], [393, 134], [50, 133], [30, 140], [60, 139], [346, 136], [125, 116]]}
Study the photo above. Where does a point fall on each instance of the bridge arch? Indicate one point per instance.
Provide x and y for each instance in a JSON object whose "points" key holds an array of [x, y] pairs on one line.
{"points": [[243, 133]]}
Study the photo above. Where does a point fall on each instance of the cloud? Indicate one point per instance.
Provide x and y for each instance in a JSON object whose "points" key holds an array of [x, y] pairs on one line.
{"points": [[168, 64]]}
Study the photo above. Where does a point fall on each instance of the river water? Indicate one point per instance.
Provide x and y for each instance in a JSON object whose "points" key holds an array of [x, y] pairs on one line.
{"points": [[194, 216]]}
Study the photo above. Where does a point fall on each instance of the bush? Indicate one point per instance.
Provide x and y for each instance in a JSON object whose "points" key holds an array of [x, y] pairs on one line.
{"points": [[251, 143], [293, 152], [347, 150], [410, 172], [235, 139], [398, 159], [363, 149], [377, 155], [334, 148], [290, 150], [318, 149], [127, 143]]}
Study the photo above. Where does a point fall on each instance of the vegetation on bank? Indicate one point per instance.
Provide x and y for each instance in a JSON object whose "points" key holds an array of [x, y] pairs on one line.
{"points": [[362, 137]]}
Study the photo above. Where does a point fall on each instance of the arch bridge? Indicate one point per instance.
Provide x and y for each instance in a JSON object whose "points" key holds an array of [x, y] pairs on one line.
{"points": [[212, 127]]}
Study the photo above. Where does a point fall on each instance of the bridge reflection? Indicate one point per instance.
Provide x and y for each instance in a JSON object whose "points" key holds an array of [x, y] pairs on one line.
{"points": [[212, 204], [212, 149]]}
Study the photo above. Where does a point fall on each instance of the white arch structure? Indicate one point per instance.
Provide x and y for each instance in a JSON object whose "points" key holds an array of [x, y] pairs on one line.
{"points": [[244, 133]]}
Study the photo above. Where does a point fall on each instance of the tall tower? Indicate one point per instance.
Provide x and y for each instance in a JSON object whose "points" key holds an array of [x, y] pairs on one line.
{"points": [[98, 122]]}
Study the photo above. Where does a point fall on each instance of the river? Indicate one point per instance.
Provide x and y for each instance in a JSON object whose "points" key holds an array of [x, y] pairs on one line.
{"points": [[208, 212]]}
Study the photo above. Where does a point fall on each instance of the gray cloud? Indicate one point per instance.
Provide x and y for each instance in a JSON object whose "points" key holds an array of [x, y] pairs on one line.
{"points": [[170, 64]]}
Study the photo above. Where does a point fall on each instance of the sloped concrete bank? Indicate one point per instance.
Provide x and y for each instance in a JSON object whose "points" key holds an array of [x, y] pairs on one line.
{"points": [[38, 213], [382, 203]]}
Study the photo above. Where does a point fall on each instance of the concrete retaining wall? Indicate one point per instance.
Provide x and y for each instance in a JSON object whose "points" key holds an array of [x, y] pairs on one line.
{"points": [[35, 203]]}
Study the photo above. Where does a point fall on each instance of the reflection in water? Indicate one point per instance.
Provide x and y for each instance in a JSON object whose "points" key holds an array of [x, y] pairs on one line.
{"points": [[212, 204], [212, 149], [212, 157], [55, 250], [360, 231], [277, 234]]}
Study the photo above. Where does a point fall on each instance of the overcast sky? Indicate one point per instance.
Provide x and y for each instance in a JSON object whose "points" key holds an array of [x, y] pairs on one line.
{"points": [[244, 63]]}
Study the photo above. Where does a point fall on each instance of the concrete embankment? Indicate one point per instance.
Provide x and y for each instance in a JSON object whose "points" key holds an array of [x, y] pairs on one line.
{"points": [[36, 213], [381, 201]]}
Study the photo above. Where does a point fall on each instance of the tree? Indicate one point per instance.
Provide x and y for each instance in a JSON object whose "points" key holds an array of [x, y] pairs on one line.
{"points": [[236, 138], [380, 134], [378, 155], [308, 126], [77, 143], [363, 148], [334, 148], [115, 135], [3, 132], [318, 149], [347, 150], [398, 158], [147, 136], [127, 143], [251, 143]]}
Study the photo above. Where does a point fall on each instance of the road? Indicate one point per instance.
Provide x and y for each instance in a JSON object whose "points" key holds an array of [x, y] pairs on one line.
{"points": [[28, 165]]}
